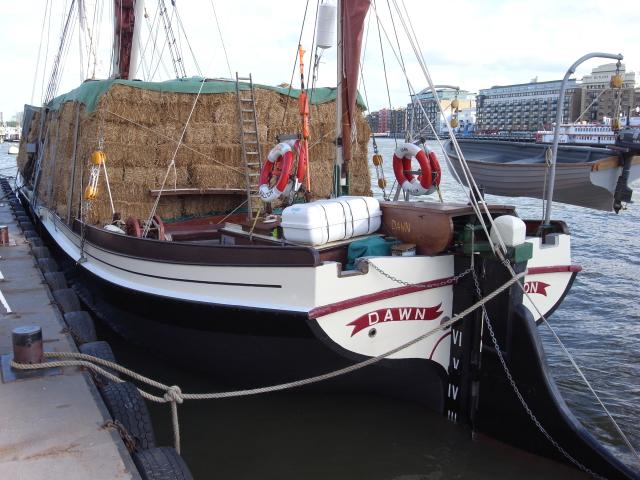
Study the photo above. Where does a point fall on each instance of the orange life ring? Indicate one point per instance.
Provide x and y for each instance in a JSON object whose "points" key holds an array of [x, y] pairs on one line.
{"points": [[279, 161], [430, 172]]}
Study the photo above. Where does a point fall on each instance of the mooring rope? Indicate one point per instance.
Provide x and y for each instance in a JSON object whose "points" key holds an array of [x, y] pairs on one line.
{"points": [[174, 395]]}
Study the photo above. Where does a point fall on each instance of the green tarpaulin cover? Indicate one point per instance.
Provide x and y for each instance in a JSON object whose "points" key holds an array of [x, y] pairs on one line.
{"points": [[369, 247], [90, 91]]}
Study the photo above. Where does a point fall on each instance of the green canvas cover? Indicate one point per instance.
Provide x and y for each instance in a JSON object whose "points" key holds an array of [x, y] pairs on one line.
{"points": [[369, 247], [91, 90]]}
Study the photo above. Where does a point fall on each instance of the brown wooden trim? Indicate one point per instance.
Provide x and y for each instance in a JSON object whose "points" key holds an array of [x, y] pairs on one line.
{"points": [[554, 269], [382, 295], [198, 191], [192, 254], [605, 163]]}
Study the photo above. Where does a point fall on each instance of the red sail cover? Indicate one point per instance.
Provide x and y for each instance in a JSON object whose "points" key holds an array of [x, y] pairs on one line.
{"points": [[353, 14], [123, 35]]}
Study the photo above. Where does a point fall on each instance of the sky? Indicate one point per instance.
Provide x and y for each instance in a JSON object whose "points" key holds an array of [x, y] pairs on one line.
{"points": [[473, 44]]}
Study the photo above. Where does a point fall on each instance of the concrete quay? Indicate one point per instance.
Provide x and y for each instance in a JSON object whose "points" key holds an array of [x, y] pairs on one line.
{"points": [[51, 426]]}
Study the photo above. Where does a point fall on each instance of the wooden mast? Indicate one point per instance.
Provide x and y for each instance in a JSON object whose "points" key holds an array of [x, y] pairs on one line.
{"points": [[351, 16], [126, 37]]}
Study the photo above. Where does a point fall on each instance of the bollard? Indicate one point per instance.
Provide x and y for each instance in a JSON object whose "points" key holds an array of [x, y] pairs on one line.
{"points": [[4, 235], [27, 344]]}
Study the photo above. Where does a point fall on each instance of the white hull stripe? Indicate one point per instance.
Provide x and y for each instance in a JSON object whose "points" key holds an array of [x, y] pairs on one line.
{"points": [[258, 285]]}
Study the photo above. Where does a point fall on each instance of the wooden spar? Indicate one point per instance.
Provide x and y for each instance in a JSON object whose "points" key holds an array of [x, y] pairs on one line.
{"points": [[339, 105]]}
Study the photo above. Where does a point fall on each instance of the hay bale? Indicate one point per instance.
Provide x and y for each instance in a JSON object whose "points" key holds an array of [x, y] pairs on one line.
{"points": [[140, 130]]}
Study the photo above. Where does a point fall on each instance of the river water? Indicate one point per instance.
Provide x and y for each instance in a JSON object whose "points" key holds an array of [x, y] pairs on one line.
{"points": [[312, 435]]}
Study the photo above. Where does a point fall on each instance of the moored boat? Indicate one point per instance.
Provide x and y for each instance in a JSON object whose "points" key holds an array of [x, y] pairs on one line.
{"points": [[585, 176]]}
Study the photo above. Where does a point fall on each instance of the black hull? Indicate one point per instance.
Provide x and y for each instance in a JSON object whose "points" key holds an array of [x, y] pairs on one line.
{"points": [[247, 348], [252, 348], [500, 413]]}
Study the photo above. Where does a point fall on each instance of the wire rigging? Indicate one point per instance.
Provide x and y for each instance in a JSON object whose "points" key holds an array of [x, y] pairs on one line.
{"points": [[384, 68], [295, 62], [65, 40], [186, 38], [224, 49], [35, 75]]}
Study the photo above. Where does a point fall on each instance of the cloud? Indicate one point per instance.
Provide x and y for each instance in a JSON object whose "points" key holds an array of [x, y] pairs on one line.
{"points": [[473, 44]]}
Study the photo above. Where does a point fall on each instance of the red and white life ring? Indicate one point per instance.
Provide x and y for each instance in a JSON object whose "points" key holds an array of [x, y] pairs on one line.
{"points": [[430, 173], [280, 162]]}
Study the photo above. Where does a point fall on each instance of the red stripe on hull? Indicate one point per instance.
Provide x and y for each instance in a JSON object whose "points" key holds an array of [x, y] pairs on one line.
{"points": [[382, 295], [448, 334], [554, 269]]}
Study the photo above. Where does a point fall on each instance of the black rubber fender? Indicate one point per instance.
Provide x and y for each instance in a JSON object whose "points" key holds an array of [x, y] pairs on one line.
{"points": [[47, 265], [67, 300], [40, 252], [55, 280], [102, 350], [161, 463], [126, 405], [36, 242], [30, 233], [81, 326]]}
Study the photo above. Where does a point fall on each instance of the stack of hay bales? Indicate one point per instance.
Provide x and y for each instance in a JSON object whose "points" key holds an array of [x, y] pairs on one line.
{"points": [[140, 130]]}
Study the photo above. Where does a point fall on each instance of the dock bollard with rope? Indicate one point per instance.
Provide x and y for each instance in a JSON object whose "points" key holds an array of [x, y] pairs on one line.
{"points": [[173, 395]]}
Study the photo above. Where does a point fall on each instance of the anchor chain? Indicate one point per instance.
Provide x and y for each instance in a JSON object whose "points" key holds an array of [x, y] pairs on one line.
{"points": [[516, 390], [442, 283]]}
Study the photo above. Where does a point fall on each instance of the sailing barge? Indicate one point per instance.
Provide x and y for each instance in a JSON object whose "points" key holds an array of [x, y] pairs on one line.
{"points": [[139, 187]]}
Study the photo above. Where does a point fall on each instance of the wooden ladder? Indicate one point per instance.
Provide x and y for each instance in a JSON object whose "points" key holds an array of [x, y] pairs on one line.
{"points": [[250, 141]]}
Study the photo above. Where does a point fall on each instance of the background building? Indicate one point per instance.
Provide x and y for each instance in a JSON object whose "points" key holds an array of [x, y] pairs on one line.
{"points": [[599, 100], [391, 122], [525, 107], [373, 120], [529, 107], [416, 118]]}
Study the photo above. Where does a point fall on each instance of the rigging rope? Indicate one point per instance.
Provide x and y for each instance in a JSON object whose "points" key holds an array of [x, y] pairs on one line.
{"points": [[65, 40], [384, 68], [224, 49], [477, 205], [172, 164], [184, 32], [295, 62], [46, 56], [312, 71], [151, 26], [164, 45], [35, 75]]}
